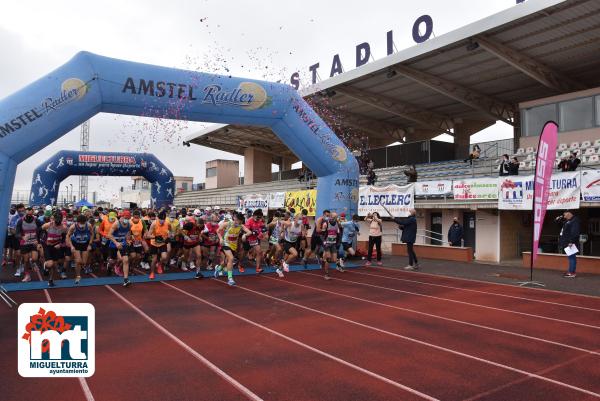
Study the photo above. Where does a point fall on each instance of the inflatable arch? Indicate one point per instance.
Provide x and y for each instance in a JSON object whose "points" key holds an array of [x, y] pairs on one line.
{"points": [[89, 84], [48, 176]]}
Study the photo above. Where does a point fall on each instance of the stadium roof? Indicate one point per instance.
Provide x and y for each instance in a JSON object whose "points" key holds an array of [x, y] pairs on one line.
{"points": [[469, 78]]}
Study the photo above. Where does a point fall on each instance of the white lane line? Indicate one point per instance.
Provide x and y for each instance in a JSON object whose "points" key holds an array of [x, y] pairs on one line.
{"points": [[479, 326], [463, 302], [476, 291], [82, 382], [420, 342], [301, 344], [490, 282], [239, 386]]}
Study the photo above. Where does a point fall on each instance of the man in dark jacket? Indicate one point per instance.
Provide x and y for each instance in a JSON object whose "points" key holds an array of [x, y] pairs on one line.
{"points": [[455, 233], [503, 168], [513, 166], [569, 236], [408, 226]]}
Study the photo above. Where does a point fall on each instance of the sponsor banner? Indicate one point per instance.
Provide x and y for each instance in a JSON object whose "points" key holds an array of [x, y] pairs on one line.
{"points": [[398, 199], [255, 201], [475, 188], [516, 192], [56, 340], [590, 185], [424, 188], [276, 200], [302, 200]]}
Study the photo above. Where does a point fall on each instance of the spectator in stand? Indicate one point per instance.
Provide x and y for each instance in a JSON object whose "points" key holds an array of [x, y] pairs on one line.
{"points": [[370, 164], [475, 153], [564, 164], [411, 173], [371, 177], [503, 168], [455, 233], [573, 161], [569, 237], [513, 166]]}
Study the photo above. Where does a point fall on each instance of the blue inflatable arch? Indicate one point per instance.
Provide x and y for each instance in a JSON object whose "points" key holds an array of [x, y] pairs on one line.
{"points": [[48, 176], [89, 84]]}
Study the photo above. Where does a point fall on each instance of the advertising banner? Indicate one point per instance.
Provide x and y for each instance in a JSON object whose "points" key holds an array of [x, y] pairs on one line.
{"points": [[590, 185], [276, 200], [516, 192], [475, 188], [255, 201], [426, 188], [398, 199], [302, 200]]}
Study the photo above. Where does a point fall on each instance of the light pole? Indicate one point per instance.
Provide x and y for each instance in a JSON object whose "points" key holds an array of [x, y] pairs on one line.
{"points": [[65, 201], [71, 185]]}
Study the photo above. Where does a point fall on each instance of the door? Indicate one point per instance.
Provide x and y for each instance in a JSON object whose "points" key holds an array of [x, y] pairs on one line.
{"points": [[436, 229], [469, 229]]}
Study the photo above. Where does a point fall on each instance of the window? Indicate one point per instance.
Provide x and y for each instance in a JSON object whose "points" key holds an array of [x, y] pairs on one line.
{"points": [[184, 186], [144, 184], [536, 117], [211, 172], [576, 114]]}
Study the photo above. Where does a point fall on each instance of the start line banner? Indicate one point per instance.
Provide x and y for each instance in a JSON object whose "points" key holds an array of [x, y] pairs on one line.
{"points": [[590, 185], [516, 192], [398, 199]]}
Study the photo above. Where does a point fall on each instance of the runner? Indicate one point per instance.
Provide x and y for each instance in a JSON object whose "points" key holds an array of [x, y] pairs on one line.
{"points": [[79, 239], [175, 246], [350, 230], [302, 240], [256, 226], [159, 235], [120, 238], [53, 251], [27, 232], [104, 230], [292, 230], [191, 233], [138, 245], [316, 241], [330, 243], [229, 234], [211, 242], [275, 245]]}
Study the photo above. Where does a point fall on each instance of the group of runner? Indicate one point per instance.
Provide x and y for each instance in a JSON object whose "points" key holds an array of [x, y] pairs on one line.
{"points": [[55, 241]]}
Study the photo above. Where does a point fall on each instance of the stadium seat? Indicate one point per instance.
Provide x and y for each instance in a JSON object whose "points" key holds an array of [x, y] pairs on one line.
{"points": [[531, 164], [590, 151], [556, 161], [520, 151], [594, 159], [530, 150], [562, 146], [565, 153], [597, 143], [574, 146], [585, 144], [522, 165]]}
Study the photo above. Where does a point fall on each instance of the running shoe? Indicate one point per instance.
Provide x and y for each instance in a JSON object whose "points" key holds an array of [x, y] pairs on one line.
{"points": [[18, 272], [326, 277], [126, 282], [230, 282], [218, 271], [77, 280], [409, 267], [119, 269], [286, 267], [341, 262], [159, 268], [151, 276], [192, 266], [259, 270], [241, 269], [51, 283], [381, 263], [367, 263], [27, 278], [279, 273], [198, 275], [45, 272], [340, 268], [63, 274], [183, 267], [146, 266], [173, 262], [570, 275]]}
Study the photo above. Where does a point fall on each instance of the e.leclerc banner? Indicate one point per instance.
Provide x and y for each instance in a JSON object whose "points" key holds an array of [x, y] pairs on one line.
{"points": [[516, 192], [590, 185], [543, 175], [398, 199], [475, 188]]}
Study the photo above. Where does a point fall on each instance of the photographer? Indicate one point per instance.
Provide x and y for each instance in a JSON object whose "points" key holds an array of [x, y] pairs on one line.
{"points": [[503, 167], [569, 237]]}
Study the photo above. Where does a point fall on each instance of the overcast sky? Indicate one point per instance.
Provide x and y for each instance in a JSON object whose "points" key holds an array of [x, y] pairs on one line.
{"points": [[255, 39]]}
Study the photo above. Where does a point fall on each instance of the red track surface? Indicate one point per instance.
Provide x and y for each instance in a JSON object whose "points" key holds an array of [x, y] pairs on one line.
{"points": [[370, 334]]}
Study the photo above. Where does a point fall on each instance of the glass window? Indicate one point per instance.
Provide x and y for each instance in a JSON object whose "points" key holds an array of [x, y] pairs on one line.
{"points": [[144, 184], [184, 185], [598, 110], [211, 172], [576, 114], [536, 117]]}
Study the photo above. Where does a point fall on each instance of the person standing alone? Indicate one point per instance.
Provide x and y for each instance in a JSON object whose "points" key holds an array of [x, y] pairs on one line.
{"points": [[569, 238], [455, 233], [408, 225]]}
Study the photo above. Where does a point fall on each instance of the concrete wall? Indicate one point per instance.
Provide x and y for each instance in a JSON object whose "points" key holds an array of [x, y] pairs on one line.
{"points": [[228, 172], [179, 183], [257, 166]]}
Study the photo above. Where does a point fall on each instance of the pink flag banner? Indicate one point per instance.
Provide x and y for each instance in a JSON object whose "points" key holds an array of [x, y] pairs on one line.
{"points": [[542, 180]]}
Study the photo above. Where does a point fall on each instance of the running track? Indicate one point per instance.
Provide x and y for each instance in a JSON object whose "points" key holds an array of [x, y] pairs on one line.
{"points": [[369, 334]]}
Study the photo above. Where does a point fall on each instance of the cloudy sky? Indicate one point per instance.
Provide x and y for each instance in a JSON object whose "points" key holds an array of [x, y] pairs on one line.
{"points": [[255, 39]]}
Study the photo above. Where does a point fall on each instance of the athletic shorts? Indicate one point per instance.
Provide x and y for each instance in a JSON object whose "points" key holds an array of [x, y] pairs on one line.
{"points": [[175, 244], [315, 241], [27, 248], [289, 245], [246, 246], [52, 253], [80, 247], [124, 252], [156, 250], [190, 246], [96, 245], [12, 242], [66, 251], [136, 249], [226, 248], [331, 248], [346, 245]]}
